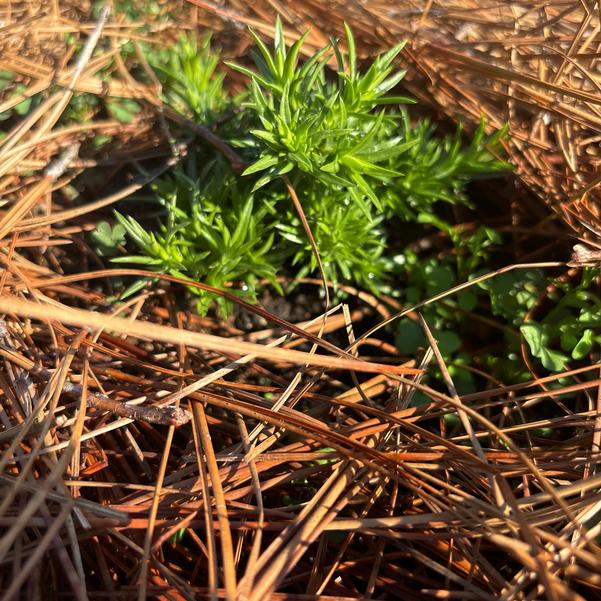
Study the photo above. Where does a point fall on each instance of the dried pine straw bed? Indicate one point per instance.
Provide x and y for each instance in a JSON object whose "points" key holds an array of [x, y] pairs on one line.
{"points": [[157, 454]]}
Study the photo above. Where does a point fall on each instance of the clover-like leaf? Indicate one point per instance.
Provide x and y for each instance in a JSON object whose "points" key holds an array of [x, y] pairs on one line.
{"points": [[584, 345]]}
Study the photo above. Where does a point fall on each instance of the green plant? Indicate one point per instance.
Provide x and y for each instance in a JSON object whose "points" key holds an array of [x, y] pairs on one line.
{"points": [[341, 142], [337, 226], [337, 133], [191, 83], [508, 296], [215, 232], [107, 238], [572, 324], [326, 130], [434, 169], [513, 294], [425, 278], [568, 331]]}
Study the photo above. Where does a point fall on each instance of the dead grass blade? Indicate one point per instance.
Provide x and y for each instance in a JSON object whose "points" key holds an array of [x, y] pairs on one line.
{"points": [[151, 331]]}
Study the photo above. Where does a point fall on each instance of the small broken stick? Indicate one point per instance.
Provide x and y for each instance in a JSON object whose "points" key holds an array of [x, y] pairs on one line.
{"points": [[165, 416]]}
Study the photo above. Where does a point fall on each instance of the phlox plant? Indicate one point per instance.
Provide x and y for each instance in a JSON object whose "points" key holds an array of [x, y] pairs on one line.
{"points": [[342, 140]]}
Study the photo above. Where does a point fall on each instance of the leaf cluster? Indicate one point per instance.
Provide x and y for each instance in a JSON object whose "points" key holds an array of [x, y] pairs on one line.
{"points": [[570, 329], [215, 232], [191, 82], [323, 129], [353, 157], [337, 132], [424, 279], [454, 319]]}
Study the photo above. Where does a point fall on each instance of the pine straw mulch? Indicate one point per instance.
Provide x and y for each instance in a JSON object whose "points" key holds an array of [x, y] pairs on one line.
{"points": [[230, 473]]}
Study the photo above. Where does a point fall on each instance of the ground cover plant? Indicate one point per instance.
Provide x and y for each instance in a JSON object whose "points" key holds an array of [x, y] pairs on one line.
{"points": [[353, 165], [272, 329]]}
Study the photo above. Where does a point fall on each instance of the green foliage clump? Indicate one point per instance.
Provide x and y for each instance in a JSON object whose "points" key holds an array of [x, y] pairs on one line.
{"points": [[567, 331], [341, 142], [425, 278], [351, 247], [216, 232], [326, 132], [337, 134], [570, 329], [434, 169], [191, 83]]}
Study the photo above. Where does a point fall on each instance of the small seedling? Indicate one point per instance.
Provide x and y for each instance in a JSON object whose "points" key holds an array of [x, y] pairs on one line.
{"points": [[108, 239]]}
